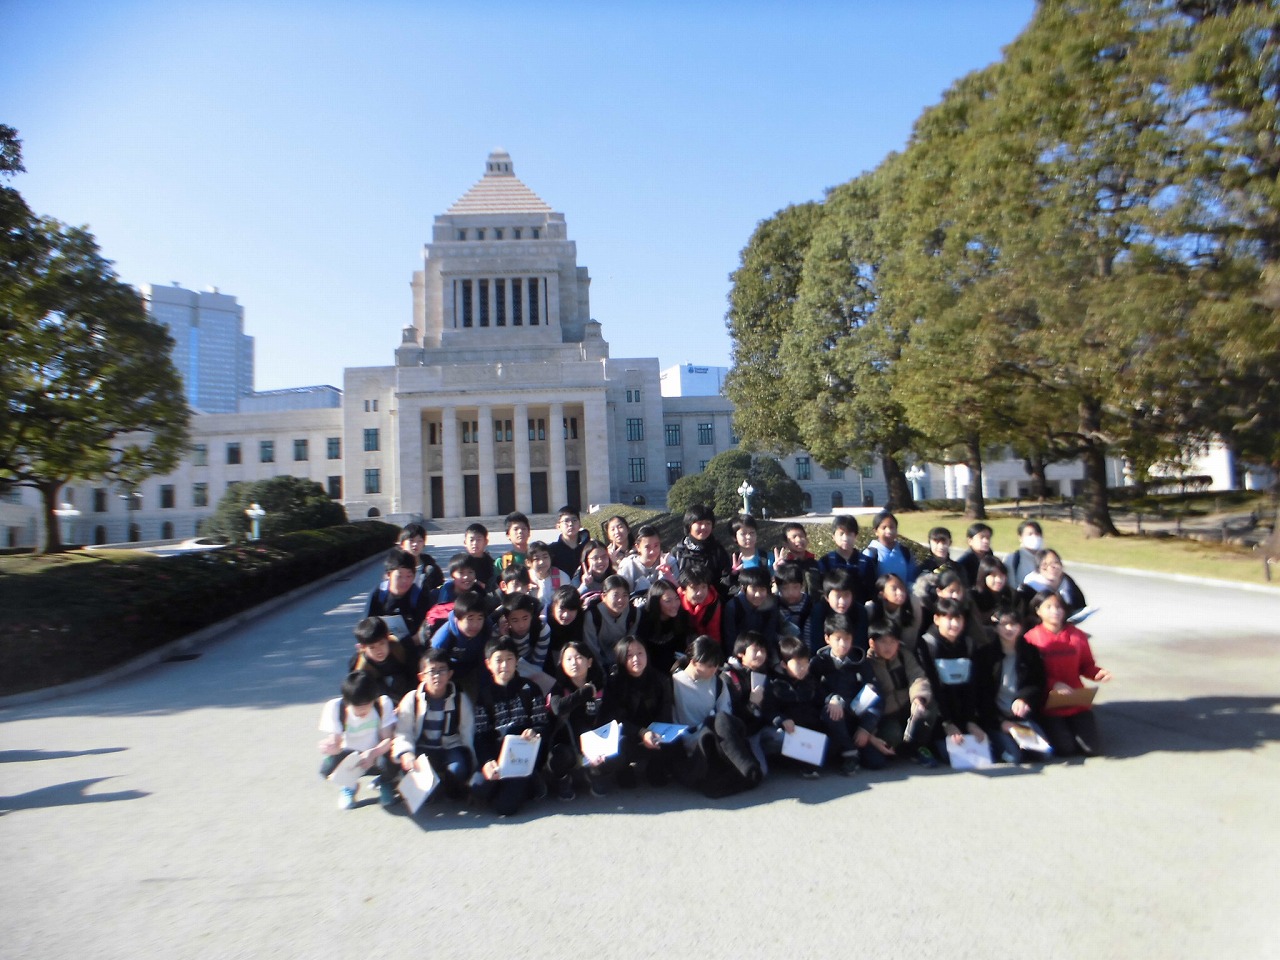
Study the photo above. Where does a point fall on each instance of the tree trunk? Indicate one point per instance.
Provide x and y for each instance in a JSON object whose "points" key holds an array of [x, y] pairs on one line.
{"points": [[1097, 508], [1036, 466], [975, 506], [52, 529], [900, 497]]}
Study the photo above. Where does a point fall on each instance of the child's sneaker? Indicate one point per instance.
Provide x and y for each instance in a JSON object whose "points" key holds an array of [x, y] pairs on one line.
{"points": [[849, 766], [346, 798], [564, 789], [387, 795], [1085, 747], [924, 757], [813, 773]]}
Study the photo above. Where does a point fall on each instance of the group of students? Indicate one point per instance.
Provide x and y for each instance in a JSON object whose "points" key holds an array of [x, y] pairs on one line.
{"points": [[889, 658]]}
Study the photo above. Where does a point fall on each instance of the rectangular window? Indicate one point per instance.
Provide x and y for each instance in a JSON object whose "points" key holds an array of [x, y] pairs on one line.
{"points": [[233, 453], [300, 450], [500, 302], [497, 233], [200, 455], [836, 474], [134, 500], [483, 297], [675, 470], [635, 428], [535, 233], [628, 396], [199, 494], [867, 470], [462, 235], [334, 445], [335, 488], [571, 428], [480, 234], [635, 395], [515, 233], [167, 498], [433, 434], [266, 451], [635, 468], [371, 406], [370, 439], [533, 300], [804, 470], [702, 465], [466, 303], [733, 435], [517, 300], [673, 434], [100, 500], [373, 481], [706, 434], [540, 433], [502, 431]]}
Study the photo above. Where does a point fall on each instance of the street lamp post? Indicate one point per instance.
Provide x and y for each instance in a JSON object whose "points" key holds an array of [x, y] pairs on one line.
{"points": [[66, 515], [914, 475], [255, 513], [745, 491]]}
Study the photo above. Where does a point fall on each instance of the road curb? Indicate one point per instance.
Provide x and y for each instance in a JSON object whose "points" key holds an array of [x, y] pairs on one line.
{"points": [[1179, 578], [203, 637]]}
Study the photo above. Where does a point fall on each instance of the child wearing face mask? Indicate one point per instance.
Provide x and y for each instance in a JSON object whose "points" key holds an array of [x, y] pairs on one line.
{"points": [[1023, 560]]}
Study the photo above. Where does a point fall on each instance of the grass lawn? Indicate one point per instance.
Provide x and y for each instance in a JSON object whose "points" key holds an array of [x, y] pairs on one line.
{"points": [[1162, 554]]}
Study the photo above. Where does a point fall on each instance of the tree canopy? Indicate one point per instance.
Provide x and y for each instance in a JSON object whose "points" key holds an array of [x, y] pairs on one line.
{"points": [[88, 387], [291, 503], [776, 494], [1068, 259]]}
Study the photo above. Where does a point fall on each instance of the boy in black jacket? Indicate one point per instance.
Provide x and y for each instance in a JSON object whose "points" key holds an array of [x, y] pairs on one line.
{"points": [[851, 702], [382, 657], [507, 704], [1011, 689], [947, 652], [792, 699]]}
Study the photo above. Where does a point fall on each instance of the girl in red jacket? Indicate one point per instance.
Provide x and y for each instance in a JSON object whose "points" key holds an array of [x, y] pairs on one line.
{"points": [[1067, 657]]}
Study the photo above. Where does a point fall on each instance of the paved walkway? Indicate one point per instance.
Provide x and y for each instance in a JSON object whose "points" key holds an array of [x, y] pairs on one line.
{"points": [[177, 814]]}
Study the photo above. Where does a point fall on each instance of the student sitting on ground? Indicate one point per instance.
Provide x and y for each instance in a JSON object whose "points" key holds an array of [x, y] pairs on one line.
{"points": [[979, 539], [1011, 688], [564, 622], [413, 539], [1067, 657], [908, 712], [851, 701], [664, 626], [637, 696], [359, 721], [382, 657], [794, 698], [717, 759], [436, 721], [947, 653], [753, 609], [507, 704], [576, 704], [745, 675], [400, 595]]}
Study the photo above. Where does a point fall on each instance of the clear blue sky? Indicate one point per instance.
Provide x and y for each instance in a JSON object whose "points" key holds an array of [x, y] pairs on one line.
{"points": [[294, 154]]}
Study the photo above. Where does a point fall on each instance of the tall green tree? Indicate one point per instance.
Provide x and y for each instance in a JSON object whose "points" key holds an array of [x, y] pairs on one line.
{"points": [[291, 503], [89, 389], [776, 494]]}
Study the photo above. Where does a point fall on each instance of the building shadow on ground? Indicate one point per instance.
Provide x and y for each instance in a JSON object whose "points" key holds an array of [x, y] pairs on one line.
{"points": [[1138, 727]]}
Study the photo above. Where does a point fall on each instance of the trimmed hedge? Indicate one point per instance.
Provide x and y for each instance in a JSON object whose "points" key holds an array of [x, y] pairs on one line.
{"points": [[67, 622]]}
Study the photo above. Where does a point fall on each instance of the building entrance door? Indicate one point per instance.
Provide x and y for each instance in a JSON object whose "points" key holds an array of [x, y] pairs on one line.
{"points": [[471, 495], [538, 492], [436, 506], [573, 485], [506, 493]]}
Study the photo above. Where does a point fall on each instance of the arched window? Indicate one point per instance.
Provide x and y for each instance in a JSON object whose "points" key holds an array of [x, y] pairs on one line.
{"points": [[99, 534], [166, 531], [837, 499], [808, 502], [135, 533], [374, 512]]}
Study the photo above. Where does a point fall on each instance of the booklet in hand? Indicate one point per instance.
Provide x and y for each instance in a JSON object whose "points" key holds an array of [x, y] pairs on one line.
{"points": [[395, 623], [669, 732], [1078, 697], [865, 700], [805, 745], [417, 784], [601, 743], [518, 756], [1028, 738], [969, 754], [349, 771]]}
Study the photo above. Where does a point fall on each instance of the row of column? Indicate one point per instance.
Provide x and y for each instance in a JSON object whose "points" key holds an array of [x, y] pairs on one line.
{"points": [[533, 300]]}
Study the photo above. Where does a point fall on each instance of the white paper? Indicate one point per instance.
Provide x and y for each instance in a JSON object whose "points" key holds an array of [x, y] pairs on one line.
{"points": [[1028, 739], [952, 671], [669, 732], [417, 784], [969, 754], [1080, 616], [601, 743], [349, 771], [517, 757], [865, 700], [395, 623], [805, 745]]}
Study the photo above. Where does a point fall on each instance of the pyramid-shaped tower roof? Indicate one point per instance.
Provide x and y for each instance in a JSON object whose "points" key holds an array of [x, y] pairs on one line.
{"points": [[499, 191]]}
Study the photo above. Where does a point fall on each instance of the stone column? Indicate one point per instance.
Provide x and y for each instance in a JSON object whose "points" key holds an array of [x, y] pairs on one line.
{"points": [[406, 461], [524, 495], [557, 489], [595, 450], [451, 462], [488, 479]]}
